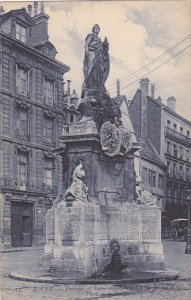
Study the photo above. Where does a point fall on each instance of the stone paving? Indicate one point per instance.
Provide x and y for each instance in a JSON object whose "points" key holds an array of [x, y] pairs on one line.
{"points": [[22, 260]]}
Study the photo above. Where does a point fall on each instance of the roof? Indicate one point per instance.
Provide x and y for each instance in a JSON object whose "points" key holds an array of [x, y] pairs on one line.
{"points": [[21, 14], [173, 113], [32, 49], [163, 106], [170, 111], [149, 152]]}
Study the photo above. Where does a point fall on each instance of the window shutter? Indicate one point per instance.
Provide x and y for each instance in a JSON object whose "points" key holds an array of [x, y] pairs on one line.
{"points": [[16, 77], [28, 82]]}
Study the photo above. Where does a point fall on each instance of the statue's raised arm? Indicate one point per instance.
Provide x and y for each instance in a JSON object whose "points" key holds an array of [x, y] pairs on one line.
{"points": [[96, 61]]}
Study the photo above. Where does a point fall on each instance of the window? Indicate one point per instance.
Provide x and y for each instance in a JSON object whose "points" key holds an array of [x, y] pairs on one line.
{"points": [[175, 150], [22, 123], [21, 33], [161, 181], [144, 175], [188, 133], [168, 122], [181, 152], [22, 80], [48, 174], [174, 170], [48, 129], [152, 178], [175, 126], [22, 176], [187, 173], [168, 147], [181, 171], [71, 118], [181, 130], [187, 155], [168, 167], [49, 91]]}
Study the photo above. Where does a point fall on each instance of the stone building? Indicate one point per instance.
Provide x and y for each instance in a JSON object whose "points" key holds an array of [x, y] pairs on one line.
{"points": [[148, 164], [169, 133], [31, 121]]}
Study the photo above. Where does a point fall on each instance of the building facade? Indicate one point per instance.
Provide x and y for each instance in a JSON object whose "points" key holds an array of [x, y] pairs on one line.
{"points": [[31, 121], [176, 153], [148, 164], [169, 133]]}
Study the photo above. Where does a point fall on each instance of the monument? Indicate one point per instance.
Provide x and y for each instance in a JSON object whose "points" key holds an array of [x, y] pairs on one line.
{"points": [[101, 220]]}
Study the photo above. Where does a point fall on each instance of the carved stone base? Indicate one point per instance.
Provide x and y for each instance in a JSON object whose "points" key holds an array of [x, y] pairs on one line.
{"points": [[79, 237]]}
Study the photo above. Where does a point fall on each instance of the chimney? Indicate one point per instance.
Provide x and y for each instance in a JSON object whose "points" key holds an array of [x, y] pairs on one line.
{"points": [[35, 8], [1, 11], [144, 86], [152, 90], [64, 86], [40, 29], [171, 103], [118, 88], [74, 99], [68, 81], [30, 10], [42, 7]]}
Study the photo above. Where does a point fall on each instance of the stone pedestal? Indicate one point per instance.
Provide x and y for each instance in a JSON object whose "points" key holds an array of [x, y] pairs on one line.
{"points": [[78, 236], [71, 240]]}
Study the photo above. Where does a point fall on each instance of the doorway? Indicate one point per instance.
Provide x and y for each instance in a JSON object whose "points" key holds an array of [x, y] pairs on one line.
{"points": [[21, 224]]}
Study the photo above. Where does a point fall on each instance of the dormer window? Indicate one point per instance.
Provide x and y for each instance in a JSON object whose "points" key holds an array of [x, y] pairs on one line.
{"points": [[21, 33]]}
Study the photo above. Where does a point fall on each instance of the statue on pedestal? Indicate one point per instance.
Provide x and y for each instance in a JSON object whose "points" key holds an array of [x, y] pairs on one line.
{"points": [[96, 102], [142, 196], [96, 61], [77, 190]]}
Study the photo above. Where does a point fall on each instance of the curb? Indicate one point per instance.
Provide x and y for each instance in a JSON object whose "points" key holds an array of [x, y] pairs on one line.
{"points": [[168, 275]]}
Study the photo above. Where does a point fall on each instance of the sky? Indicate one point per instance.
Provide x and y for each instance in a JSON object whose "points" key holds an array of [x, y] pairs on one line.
{"points": [[138, 32]]}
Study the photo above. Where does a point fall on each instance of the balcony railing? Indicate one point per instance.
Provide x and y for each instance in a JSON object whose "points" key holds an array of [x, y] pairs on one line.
{"points": [[11, 183], [177, 135]]}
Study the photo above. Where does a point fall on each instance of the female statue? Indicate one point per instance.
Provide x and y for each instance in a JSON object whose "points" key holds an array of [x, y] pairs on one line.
{"points": [[96, 61]]}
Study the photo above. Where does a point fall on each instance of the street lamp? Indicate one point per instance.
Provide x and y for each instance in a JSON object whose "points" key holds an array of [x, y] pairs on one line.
{"points": [[188, 241]]}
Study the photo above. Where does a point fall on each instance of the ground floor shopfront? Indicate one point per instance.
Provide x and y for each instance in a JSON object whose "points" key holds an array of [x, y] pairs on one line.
{"points": [[23, 219]]}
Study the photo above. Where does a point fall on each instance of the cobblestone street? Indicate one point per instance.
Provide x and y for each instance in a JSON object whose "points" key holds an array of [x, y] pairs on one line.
{"points": [[24, 258]]}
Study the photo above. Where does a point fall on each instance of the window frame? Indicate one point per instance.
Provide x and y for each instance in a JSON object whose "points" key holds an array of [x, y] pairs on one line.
{"points": [[152, 178], [19, 163], [47, 79], [48, 168], [21, 26], [18, 87], [46, 120]]}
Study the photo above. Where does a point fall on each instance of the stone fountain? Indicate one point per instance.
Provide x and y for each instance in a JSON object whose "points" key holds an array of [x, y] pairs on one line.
{"points": [[101, 207]]}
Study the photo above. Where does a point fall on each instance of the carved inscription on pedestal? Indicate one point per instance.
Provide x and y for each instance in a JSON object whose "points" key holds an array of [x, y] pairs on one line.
{"points": [[124, 226], [151, 225], [89, 227], [70, 227]]}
